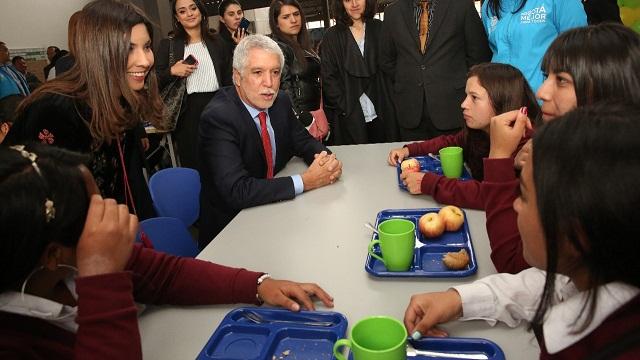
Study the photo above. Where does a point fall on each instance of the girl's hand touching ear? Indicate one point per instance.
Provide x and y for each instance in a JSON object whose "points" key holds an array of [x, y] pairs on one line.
{"points": [[506, 132], [107, 239]]}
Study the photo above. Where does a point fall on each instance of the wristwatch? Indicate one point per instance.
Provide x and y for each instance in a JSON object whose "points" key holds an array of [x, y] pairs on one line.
{"points": [[262, 278]]}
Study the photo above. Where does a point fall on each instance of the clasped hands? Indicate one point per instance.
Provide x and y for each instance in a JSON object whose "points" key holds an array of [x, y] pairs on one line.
{"points": [[324, 170]]}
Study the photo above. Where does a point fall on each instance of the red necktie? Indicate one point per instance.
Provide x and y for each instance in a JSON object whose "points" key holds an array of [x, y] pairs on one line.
{"points": [[266, 143]]}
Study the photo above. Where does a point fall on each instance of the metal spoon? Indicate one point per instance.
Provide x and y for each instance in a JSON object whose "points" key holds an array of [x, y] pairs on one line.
{"points": [[411, 352], [258, 319], [371, 227], [434, 157]]}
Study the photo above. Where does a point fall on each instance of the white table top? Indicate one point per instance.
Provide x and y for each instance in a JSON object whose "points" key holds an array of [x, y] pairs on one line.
{"points": [[319, 237]]}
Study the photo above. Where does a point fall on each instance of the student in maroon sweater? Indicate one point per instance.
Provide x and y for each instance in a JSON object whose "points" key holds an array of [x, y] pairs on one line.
{"points": [[491, 89], [71, 273], [582, 66], [579, 226]]}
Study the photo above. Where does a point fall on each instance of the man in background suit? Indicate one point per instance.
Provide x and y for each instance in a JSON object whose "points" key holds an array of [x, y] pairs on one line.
{"points": [[429, 81], [237, 171]]}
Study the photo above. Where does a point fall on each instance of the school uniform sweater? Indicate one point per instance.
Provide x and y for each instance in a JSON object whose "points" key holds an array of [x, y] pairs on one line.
{"points": [[107, 314], [453, 191]]}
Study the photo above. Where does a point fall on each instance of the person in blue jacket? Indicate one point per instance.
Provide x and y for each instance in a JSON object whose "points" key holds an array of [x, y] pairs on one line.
{"points": [[520, 31]]}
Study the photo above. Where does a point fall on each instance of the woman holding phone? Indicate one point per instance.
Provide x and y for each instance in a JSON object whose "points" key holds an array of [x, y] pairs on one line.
{"points": [[233, 26], [200, 56]]}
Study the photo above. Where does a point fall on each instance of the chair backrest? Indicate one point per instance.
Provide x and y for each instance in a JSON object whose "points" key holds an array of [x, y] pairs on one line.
{"points": [[170, 235], [176, 193]]}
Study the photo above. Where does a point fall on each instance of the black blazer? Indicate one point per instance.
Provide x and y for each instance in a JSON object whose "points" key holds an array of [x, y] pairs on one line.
{"points": [[602, 11], [457, 41], [217, 50], [346, 74], [234, 168]]}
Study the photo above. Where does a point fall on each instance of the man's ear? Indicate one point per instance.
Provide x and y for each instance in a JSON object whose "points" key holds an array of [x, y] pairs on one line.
{"points": [[236, 77], [4, 128]]}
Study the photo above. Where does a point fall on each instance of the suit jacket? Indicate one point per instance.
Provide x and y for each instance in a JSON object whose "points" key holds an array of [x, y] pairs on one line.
{"points": [[217, 50], [233, 162], [602, 11], [456, 41], [346, 75]]}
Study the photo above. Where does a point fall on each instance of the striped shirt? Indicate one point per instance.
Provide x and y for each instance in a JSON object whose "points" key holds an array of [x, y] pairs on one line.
{"points": [[203, 79]]}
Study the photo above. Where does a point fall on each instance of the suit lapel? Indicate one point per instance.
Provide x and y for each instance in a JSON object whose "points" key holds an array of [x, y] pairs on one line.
{"points": [[440, 12], [248, 124]]}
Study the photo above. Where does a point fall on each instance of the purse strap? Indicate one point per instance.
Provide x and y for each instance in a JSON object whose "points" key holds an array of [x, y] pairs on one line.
{"points": [[171, 56]]}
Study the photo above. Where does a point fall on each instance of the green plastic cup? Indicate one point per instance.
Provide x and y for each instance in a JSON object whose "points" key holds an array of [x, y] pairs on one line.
{"points": [[397, 240], [451, 161], [375, 338]]}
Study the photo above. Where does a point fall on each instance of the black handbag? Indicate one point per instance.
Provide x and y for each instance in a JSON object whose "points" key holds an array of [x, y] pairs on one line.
{"points": [[172, 95]]}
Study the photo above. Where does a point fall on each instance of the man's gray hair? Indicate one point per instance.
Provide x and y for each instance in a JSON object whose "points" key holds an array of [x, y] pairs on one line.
{"points": [[257, 41]]}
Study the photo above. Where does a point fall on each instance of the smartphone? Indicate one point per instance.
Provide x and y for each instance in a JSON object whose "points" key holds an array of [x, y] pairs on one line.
{"points": [[190, 60], [244, 23]]}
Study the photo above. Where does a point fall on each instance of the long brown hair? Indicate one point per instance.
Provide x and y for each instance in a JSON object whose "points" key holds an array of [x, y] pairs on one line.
{"points": [[99, 76], [179, 30], [508, 90], [302, 42]]}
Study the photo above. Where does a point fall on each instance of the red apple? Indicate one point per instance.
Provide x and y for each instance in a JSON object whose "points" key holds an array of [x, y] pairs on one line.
{"points": [[410, 165], [431, 225], [452, 216]]}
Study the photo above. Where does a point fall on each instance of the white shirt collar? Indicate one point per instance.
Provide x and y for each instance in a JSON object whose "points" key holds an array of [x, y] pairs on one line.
{"points": [[559, 324], [55, 313]]}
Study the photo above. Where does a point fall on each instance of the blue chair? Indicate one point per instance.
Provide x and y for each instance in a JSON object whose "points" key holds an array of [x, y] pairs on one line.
{"points": [[176, 193], [169, 235]]}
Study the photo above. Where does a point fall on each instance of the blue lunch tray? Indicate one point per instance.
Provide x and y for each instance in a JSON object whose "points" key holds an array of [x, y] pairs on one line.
{"points": [[427, 257], [237, 338], [431, 165]]}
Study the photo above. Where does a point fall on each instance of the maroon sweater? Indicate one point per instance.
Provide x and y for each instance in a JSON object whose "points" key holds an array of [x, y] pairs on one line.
{"points": [[621, 327], [466, 193], [498, 190], [107, 316]]}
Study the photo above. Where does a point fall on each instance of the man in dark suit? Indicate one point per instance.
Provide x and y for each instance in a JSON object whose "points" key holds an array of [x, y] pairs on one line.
{"points": [[248, 133], [429, 80]]}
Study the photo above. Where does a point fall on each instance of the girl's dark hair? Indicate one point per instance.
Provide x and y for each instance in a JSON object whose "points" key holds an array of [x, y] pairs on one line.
{"points": [[303, 41], [342, 17], [179, 30], [99, 74], [591, 204], [603, 59], [495, 6], [508, 90], [25, 231], [224, 4]]}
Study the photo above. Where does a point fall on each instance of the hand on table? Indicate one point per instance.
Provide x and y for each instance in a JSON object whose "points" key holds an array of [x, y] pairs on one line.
{"points": [[292, 295], [397, 155], [506, 132], [427, 310], [324, 170], [413, 181], [181, 69], [106, 241]]}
